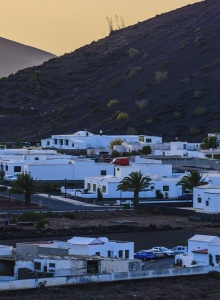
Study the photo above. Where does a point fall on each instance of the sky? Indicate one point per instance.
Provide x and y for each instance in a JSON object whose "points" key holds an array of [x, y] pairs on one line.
{"points": [[61, 26]]}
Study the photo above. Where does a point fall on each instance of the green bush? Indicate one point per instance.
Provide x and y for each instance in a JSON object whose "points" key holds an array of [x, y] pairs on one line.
{"points": [[112, 102], [194, 131], [133, 52], [149, 120], [122, 116], [199, 111], [161, 76], [141, 104], [197, 94], [146, 150], [68, 215], [41, 223], [30, 216], [133, 71], [177, 115]]}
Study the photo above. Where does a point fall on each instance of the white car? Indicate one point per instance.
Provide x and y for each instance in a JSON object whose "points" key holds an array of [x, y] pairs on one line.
{"points": [[10, 178], [167, 252]]}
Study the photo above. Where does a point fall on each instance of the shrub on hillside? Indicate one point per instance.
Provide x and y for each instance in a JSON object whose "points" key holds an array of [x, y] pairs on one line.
{"points": [[161, 76], [133, 52], [112, 102], [122, 116], [141, 104], [199, 111]]}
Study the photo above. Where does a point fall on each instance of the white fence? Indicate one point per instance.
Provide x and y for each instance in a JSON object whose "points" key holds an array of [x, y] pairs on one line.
{"points": [[34, 283]]}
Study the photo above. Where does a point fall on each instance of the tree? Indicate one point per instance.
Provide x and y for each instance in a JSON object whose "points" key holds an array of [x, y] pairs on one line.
{"points": [[210, 142], [136, 183], [117, 141], [3, 189], [146, 150], [193, 179], [37, 78], [25, 184]]}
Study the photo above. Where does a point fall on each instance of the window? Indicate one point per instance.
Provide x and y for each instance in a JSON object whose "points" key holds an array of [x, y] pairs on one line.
{"points": [[88, 186], [37, 265], [51, 265], [120, 253], [97, 253], [207, 203], [67, 142], [118, 169], [166, 188], [48, 143], [126, 253], [6, 167], [104, 189], [148, 140], [94, 187], [61, 142], [152, 187], [17, 168], [133, 266], [199, 200], [103, 172], [109, 253], [217, 258], [55, 141], [36, 158], [141, 138], [73, 145]]}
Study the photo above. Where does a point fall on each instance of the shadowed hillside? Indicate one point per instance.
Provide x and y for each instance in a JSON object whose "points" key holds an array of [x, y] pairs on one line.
{"points": [[15, 56], [158, 77]]}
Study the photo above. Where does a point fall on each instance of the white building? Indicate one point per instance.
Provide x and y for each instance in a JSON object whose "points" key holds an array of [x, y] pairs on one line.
{"points": [[83, 140], [207, 198], [203, 250]]}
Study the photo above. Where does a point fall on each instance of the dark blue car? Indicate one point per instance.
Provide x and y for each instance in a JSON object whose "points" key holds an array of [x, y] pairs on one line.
{"points": [[144, 254]]}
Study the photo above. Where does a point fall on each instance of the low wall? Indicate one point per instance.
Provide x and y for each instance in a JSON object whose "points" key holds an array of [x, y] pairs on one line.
{"points": [[82, 279]]}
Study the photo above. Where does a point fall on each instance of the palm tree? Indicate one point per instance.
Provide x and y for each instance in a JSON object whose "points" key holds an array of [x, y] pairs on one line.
{"points": [[134, 182], [25, 184], [210, 142], [193, 179]]}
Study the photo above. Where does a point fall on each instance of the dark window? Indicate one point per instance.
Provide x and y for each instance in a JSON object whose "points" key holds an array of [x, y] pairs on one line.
{"points": [[103, 172], [126, 253], [120, 253], [17, 168], [217, 258], [148, 140], [207, 203], [37, 265], [51, 265], [92, 266], [199, 200], [97, 253], [55, 141], [67, 142], [104, 189], [73, 145], [36, 158], [6, 167], [109, 253], [48, 143], [61, 142], [152, 187], [88, 186], [166, 188], [94, 187]]}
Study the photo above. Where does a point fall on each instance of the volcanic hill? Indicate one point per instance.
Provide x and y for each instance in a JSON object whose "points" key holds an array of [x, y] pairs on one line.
{"points": [[158, 77]]}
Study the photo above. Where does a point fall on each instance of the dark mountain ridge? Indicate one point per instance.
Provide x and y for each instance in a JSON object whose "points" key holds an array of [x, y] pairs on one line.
{"points": [[158, 77]]}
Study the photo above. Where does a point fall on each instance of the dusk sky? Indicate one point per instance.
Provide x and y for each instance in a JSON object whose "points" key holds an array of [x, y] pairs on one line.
{"points": [[61, 26]]}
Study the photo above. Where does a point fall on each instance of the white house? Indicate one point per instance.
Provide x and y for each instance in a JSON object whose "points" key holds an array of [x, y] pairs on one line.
{"points": [[203, 250], [108, 186], [83, 140], [207, 198], [74, 169], [101, 246]]}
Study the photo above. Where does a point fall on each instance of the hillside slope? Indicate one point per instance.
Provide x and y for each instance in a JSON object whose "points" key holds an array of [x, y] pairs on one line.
{"points": [[15, 56], [163, 75]]}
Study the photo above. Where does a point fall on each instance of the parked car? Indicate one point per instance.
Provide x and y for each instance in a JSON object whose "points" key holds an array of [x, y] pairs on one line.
{"points": [[167, 252], [10, 178], [158, 253], [180, 249], [144, 254]]}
